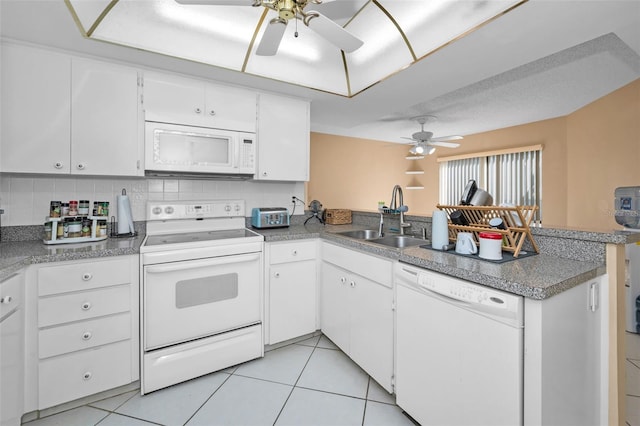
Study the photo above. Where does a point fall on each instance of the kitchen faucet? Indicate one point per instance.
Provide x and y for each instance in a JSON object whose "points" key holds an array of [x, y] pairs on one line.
{"points": [[397, 203]]}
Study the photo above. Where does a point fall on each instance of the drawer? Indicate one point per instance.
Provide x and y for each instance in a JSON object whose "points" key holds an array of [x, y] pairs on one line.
{"points": [[372, 267], [84, 305], [83, 335], [292, 251], [10, 293], [84, 275], [68, 377]]}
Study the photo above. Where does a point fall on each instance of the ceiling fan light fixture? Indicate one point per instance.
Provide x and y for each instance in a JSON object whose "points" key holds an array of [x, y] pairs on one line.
{"points": [[431, 150], [419, 148]]}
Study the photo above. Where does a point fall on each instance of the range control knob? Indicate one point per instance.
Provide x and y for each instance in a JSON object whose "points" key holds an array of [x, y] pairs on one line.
{"points": [[168, 210], [156, 210], [227, 208]]}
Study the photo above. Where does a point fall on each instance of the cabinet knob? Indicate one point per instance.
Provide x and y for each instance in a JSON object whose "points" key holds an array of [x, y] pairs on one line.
{"points": [[86, 335], [343, 280], [197, 110], [352, 284], [86, 306], [264, 173], [81, 166], [294, 252], [86, 276], [6, 300], [87, 375], [277, 275], [212, 112], [58, 165]]}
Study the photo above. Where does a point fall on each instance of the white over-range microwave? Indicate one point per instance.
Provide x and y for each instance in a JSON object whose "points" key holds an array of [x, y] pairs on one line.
{"points": [[172, 149]]}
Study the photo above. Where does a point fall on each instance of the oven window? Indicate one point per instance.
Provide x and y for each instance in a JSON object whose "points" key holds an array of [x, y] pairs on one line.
{"points": [[201, 291]]}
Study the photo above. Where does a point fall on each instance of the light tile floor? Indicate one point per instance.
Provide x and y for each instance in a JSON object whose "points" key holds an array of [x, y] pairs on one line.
{"points": [[633, 379], [306, 383]]}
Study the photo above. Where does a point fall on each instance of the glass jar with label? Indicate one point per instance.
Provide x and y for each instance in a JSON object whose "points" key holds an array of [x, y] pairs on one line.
{"points": [[47, 231], [60, 229], [73, 208], [65, 209], [103, 208], [75, 228], [86, 228], [102, 228], [83, 208], [54, 210]]}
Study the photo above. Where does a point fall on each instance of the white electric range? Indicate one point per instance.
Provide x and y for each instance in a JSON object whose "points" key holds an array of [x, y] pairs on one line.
{"points": [[201, 291]]}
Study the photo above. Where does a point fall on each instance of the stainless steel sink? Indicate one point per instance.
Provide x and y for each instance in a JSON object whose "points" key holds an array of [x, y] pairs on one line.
{"points": [[361, 234], [399, 241]]}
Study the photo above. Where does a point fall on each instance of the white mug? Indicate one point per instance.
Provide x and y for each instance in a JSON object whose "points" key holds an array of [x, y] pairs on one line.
{"points": [[465, 243]]}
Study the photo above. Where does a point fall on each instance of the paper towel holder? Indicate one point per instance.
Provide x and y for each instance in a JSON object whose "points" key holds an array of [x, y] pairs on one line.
{"points": [[114, 227]]}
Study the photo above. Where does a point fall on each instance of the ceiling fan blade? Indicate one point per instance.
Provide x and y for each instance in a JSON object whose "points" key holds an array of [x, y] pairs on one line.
{"points": [[410, 139], [336, 10], [444, 144], [447, 138], [334, 33], [271, 38], [216, 2]]}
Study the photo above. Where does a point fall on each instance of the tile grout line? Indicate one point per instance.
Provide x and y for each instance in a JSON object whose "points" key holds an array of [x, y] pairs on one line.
{"points": [[366, 400], [210, 396], [296, 382]]}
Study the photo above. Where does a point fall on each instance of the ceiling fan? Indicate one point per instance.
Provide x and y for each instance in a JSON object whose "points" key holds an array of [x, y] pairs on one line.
{"points": [[425, 143], [287, 10]]}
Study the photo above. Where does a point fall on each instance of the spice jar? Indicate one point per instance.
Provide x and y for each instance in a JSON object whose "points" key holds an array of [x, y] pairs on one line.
{"points": [[60, 229], [54, 210], [65, 209], [73, 208], [102, 228], [47, 231], [75, 228], [103, 209], [83, 208], [86, 228]]}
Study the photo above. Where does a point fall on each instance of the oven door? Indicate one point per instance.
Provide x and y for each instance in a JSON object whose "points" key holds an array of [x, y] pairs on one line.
{"points": [[191, 299]]}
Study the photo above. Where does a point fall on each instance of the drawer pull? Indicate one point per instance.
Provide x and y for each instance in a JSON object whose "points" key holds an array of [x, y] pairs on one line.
{"points": [[6, 300], [86, 276], [87, 375], [86, 335], [343, 280], [352, 284], [86, 306], [295, 252], [277, 275]]}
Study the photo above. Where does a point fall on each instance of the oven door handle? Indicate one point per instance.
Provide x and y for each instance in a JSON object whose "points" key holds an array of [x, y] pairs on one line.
{"points": [[213, 261]]}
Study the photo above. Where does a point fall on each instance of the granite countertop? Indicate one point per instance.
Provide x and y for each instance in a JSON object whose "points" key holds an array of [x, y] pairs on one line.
{"points": [[536, 277], [19, 254]]}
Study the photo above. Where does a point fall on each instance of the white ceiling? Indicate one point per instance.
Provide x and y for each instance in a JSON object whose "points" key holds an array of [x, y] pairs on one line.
{"points": [[544, 59]]}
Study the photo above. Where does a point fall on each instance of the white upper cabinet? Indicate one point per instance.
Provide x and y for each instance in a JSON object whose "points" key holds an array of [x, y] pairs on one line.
{"points": [[283, 138], [179, 100], [106, 128], [36, 111], [66, 115]]}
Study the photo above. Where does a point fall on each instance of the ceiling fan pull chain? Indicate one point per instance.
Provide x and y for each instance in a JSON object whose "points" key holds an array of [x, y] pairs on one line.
{"points": [[296, 33]]}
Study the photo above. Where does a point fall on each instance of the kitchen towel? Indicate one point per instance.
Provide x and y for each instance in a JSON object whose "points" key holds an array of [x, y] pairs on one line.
{"points": [[125, 216], [439, 229]]}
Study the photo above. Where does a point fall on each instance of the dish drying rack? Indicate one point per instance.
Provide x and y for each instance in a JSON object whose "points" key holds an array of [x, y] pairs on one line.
{"points": [[516, 219]]}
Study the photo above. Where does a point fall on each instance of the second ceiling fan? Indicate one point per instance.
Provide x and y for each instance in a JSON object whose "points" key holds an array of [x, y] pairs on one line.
{"points": [[287, 10], [425, 143]]}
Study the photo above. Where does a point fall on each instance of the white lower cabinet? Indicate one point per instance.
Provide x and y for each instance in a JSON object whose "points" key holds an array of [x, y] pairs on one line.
{"points": [[292, 292], [82, 335], [357, 309], [11, 350]]}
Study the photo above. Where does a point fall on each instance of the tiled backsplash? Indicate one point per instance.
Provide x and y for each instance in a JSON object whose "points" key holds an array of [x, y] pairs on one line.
{"points": [[25, 198]]}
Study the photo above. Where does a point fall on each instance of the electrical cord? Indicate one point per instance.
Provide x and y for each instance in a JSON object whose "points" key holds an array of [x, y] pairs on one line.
{"points": [[293, 200]]}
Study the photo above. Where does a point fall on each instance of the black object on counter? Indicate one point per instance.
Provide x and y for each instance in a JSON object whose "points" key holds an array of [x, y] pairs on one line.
{"points": [[458, 218]]}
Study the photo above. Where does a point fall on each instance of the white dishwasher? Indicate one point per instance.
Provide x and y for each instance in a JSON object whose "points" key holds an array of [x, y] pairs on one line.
{"points": [[459, 358]]}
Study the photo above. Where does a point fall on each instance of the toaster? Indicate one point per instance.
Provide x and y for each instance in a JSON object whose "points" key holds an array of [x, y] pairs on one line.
{"points": [[269, 217]]}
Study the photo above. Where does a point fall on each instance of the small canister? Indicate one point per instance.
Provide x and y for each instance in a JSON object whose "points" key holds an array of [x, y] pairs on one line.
{"points": [[55, 209], [47, 231], [86, 228], [75, 228], [73, 208], [83, 208], [490, 245], [65, 209], [102, 228], [60, 229], [104, 208]]}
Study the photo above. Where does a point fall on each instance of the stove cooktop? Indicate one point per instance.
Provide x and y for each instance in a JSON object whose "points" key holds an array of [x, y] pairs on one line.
{"points": [[197, 237]]}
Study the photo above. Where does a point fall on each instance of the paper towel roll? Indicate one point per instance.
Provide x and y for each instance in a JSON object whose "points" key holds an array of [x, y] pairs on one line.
{"points": [[439, 230], [125, 217]]}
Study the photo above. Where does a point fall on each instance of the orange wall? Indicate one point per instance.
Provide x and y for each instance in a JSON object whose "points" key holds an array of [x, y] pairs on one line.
{"points": [[586, 155]]}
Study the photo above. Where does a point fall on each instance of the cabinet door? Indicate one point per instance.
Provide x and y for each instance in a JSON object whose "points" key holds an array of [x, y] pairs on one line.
{"points": [[11, 368], [292, 300], [106, 130], [335, 321], [283, 139], [372, 329], [230, 108], [172, 99], [36, 111]]}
